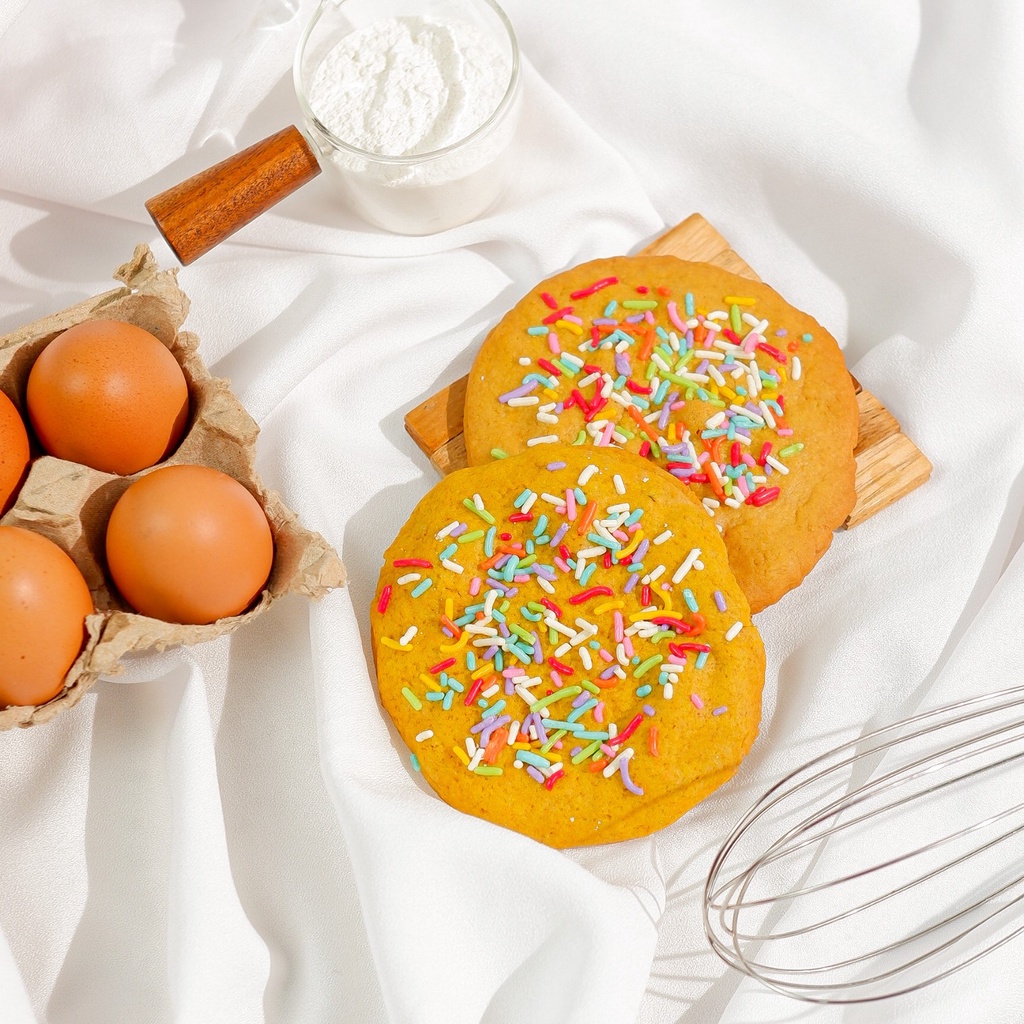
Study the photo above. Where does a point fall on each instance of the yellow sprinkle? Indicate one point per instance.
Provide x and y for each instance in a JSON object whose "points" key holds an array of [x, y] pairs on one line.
{"points": [[427, 681], [520, 746], [452, 648], [461, 755], [449, 607], [738, 300], [632, 545], [663, 594], [729, 393], [782, 374], [641, 616], [673, 435], [394, 644], [484, 670], [569, 325], [609, 606], [551, 393]]}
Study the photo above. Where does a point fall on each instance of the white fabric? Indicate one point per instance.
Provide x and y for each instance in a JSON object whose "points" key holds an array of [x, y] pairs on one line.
{"points": [[233, 832]]}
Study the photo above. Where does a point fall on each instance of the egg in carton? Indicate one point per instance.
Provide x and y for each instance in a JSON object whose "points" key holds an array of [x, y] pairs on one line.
{"points": [[70, 503]]}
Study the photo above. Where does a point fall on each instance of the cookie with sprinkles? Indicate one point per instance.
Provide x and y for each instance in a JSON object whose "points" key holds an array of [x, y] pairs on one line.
{"points": [[563, 647], [712, 377]]}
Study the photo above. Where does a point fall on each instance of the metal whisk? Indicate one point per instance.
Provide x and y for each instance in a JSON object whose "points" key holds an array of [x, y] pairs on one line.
{"points": [[884, 865]]}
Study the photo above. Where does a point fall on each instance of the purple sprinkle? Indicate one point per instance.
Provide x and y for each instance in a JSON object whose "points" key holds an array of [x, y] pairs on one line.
{"points": [[701, 366], [490, 652], [520, 392], [535, 773], [635, 318], [559, 409], [556, 465], [634, 579], [504, 630], [781, 332], [511, 591], [581, 699], [543, 571], [608, 672], [719, 601], [448, 633], [626, 780], [490, 725], [648, 710], [604, 320], [559, 534], [538, 654], [541, 731], [641, 550], [685, 472], [622, 363], [689, 338], [663, 418], [510, 686], [575, 750], [459, 530], [720, 711]]}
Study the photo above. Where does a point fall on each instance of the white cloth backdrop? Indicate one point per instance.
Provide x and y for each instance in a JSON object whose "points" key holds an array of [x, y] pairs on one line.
{"points": [[232, 832]]}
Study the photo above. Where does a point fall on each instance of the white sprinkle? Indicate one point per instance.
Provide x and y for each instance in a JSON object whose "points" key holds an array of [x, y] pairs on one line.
{"points": [[613, 765], [622, 506], [570, 358], [768, 417], [525, 360], [563, 649], [551, 769], [660, 363], [548, 407], [588, 663], [559, 627], [716, 376], [529, 503], [692, 323], [525, 694], [425, 735], [585, 476], [594, 552], [606, 388], [470, 746], [617, 436], [686, 565], [409, 577], [581, 564], [552, 499], [479, 629], [652, 416], [545, 584], [718, 314], [656, 574], [620, 399], [733, 503], [515, 403], [588, 380], [589, 628], [666, 691], [733, 630], [489, 598], [662, 537], [620, 654], [546, 439], [709, 505], [546, 417], [477, 758], [490, 691], [448, 529], [408, 634], [613, 730], [487, 641], [673, 341], [796, 368], [513, 732], [451, 566], [776, 465], [715, 420]]}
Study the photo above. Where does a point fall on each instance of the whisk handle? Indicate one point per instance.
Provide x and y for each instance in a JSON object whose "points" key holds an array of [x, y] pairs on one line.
{"points": [[202, 211]]}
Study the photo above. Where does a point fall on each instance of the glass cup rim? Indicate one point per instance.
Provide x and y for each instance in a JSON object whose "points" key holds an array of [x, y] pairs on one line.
{"points": [[401, 161]]}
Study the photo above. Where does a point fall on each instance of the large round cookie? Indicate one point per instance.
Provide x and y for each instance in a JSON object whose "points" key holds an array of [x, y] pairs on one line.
{"points": [[715, 378], [562, 645]]}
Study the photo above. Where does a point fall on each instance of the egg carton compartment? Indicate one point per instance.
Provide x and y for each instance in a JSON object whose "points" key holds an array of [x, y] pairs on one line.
{"points": [[70, 503]]}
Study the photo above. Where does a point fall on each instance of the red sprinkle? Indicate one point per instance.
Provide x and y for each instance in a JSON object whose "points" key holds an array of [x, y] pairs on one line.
{"points": [[586, 595], [550, 367], [599, 403], [560, 667], [627, 732], [557, 315], [519, 517], [421, 563], [766, 450], [607, 559], [549, 300], [441, 666], [771, 350], [732, 336], [678, 649], [564, 552], [592, 369], [645, 449], [595, 339], [595, 287], [642, 289], [698, 478], [663, 291], [551, 606], [638, 389], [474, 690], [385, 599], [677, 624], [505, 536], [645, 595], [550, 781], [762, 496], [735, 453]]}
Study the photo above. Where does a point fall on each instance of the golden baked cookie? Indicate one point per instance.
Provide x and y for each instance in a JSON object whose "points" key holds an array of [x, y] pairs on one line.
{"points": [[745, 400], [562, 645]]}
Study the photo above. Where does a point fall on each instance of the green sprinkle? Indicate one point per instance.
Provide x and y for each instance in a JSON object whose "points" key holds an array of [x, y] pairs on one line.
{"points": [[591, 748], [555, 737], [481, 512], [588, 685], [487, 769], [643, 691], [422, 588], [565, 691], [640, 304], [497, 453], [415, 762], [734, 318], [581, 437], [791, 449], [520, 632], [472, 535], [412, 698], [654, 659]]}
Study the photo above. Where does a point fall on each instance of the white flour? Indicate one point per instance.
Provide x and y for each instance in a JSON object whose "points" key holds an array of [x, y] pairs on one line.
{"points": [[407, 86]]}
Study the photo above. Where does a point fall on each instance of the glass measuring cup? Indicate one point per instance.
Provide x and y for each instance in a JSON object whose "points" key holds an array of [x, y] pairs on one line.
{"points": [[414, 193]]}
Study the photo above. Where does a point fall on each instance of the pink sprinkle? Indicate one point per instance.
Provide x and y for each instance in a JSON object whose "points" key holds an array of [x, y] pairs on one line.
{"points": [[558, 744], [562, 564], [606, 434], [627, 646], [632, 529], [785, 432], [750, 341], [474, 586], [553, 344], [619, 535], [748, 460], [703, 457], [556, 679], [673, 315], [604, 655], [617, 617], [561, 509], [697, 702], [524, 578], [570, 504], [676, 406], [511, 673], [648, 316], [570, 318], [599, 711], [610, 751], [741, 483]]}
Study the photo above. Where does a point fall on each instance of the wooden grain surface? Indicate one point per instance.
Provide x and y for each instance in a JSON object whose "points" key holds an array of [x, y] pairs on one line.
{"points": [[889, 464]]}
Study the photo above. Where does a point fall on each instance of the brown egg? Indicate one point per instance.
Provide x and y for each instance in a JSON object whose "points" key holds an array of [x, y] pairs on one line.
{"points": [[14, 454], [44, 601], [189, 544], [109, 395]]}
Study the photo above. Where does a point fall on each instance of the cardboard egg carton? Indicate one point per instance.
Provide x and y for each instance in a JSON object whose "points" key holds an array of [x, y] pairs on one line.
{"points": [[70, 503]]}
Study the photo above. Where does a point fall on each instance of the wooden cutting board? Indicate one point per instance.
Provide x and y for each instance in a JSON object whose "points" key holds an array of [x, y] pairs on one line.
{"points": [[889, 465]]}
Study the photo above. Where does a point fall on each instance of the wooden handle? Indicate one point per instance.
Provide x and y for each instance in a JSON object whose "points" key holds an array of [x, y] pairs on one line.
{"points": [[204, 210]]}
